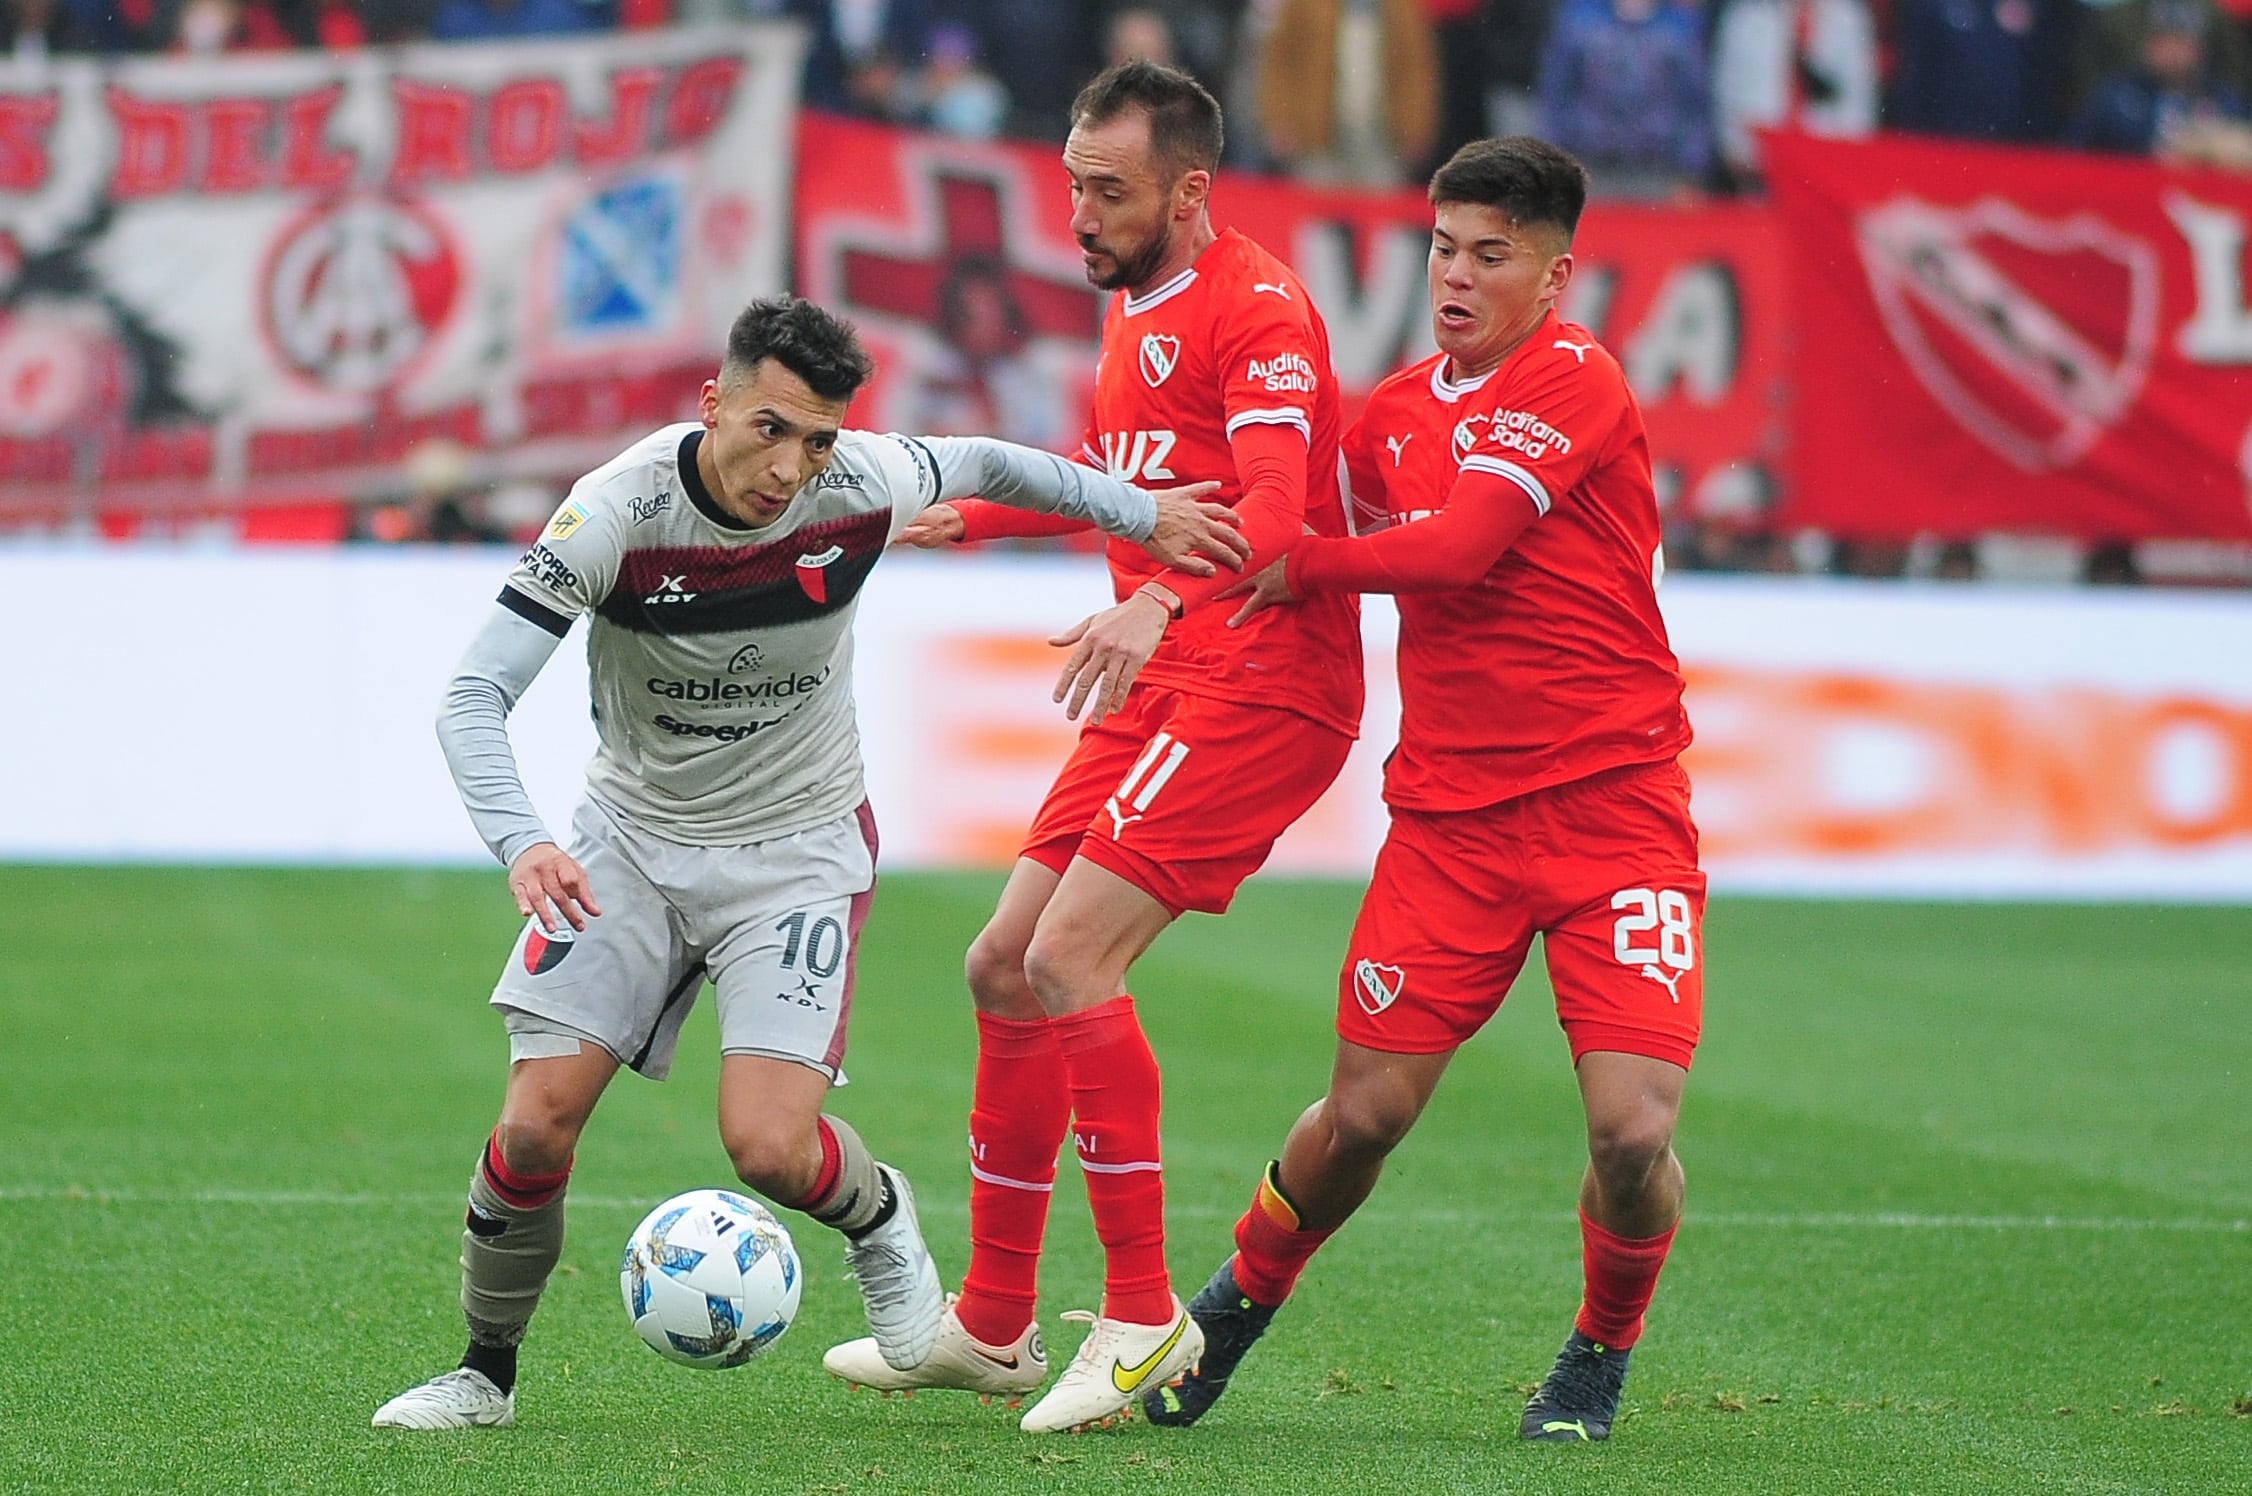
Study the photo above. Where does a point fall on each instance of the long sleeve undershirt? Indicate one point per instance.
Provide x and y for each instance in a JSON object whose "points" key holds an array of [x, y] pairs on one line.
{"points": [[1483, 517]]}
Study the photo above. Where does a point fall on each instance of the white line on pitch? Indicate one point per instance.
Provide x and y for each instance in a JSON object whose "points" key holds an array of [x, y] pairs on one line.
{"points": [[1751, 1220]]}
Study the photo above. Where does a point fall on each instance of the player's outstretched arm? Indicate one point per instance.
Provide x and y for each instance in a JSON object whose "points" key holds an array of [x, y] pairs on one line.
{"points": [[500, 665], [1174, 525]]}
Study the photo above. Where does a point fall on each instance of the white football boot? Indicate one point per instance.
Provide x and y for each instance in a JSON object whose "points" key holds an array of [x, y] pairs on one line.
{"points": [[459, 1399], [1115, 1364], [898, 1281], [958, 1361]]}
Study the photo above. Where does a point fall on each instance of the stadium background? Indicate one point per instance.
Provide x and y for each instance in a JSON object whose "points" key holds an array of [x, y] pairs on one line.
{"points": [[272, 324]]}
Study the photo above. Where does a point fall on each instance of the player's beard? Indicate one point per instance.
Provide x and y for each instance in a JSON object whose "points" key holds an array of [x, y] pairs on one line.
{"points": [[1133, 273]]}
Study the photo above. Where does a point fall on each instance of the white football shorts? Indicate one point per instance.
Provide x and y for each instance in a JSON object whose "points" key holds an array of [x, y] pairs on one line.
{"points": [[774, 926]]}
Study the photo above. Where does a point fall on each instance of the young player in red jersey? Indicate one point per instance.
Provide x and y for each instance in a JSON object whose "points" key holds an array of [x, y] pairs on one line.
{"points": [[1535, 789], [1214, 366]]}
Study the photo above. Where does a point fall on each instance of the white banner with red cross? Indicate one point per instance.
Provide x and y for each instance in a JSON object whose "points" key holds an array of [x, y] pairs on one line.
{"points": [[277, 275]]}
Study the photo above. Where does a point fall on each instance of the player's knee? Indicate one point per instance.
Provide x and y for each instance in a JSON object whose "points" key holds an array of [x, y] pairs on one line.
{"points": [[1369, 1121], [1624, 1149], [536, 1141], [772, 1162], [1062, 974], [994, 969]]}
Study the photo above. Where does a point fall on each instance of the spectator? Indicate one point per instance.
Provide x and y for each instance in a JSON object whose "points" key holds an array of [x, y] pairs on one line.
{"points": [[1806, 65], [984, 379], [953, 94], [1459, 31], [482, 20], [1982, 69], [1623, 87], [862, 53], [2172, 105], [1515, 37], [34, 29], [1349, 89], [1040, 51], [1139, 33]]}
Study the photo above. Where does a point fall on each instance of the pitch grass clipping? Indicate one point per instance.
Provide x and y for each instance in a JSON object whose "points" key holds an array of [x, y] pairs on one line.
{"points": [[1967, 1211]]}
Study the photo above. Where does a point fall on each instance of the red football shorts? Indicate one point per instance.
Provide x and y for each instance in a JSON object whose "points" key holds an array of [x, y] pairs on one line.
{"points": [[1604, 868], [1183, 796]]}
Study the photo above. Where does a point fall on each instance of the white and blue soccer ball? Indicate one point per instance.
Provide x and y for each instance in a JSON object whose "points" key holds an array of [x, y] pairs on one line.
{"points": [[710, 1279]]}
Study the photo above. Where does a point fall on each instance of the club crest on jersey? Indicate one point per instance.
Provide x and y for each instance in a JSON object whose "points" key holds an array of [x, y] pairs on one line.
{"points": [[1378, 985], [1160, 353], [1464, 436], [813, 572], [544, 950]]}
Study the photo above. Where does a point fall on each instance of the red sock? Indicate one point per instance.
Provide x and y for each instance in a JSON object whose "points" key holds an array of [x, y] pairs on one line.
{"points": [[520, 1191], [1622, 1273], [832, 1165], [1270, 1249], [1019, 1111], [1114, 1104]]}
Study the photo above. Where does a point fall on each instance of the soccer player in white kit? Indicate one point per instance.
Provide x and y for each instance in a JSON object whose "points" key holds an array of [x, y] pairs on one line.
{"points": [[725, 832]]}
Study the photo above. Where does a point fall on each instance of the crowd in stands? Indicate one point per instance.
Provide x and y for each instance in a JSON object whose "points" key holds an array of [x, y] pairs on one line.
{"points": [[1661, 98]]}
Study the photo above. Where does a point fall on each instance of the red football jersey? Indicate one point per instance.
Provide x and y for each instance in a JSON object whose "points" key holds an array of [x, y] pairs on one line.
{"points": [[1232, 340], [1555, 664]]}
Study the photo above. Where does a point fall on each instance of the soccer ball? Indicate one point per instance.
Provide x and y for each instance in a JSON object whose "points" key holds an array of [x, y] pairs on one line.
{"points": [[710, 1279]]}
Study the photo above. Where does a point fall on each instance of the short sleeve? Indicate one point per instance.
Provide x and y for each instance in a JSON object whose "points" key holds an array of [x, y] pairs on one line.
{"points": [[571, 567], [1551, 423], [1270, 363], [1366, 509]]}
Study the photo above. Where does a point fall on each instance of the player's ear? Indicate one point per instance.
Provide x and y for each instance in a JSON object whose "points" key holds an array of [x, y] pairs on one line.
{"points": [[1558, 277], [1191, 192], [707, 404]]}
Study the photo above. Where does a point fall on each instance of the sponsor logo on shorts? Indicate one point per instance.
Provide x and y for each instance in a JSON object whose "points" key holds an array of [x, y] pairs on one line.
{"points": [[808, 995], [1671, 983], [545, 949], [1378, 985]]}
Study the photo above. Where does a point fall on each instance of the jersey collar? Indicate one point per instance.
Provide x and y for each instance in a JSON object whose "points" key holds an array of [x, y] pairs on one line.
{"points": [[1134, 305], [1447, 390], [692, 479]]}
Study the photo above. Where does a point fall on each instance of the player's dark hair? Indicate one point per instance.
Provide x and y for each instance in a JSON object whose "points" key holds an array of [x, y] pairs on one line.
{"points": [[1184, 119], [1528, 179], [816, 345]]}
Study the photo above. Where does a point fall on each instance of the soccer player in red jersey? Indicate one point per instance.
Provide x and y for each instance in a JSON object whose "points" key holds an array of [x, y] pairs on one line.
{"points": [[1535, 789], [1214, 366]]}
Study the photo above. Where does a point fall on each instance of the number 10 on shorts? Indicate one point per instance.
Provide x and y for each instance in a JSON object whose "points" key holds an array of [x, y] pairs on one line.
{"points": [[1664, 910]]}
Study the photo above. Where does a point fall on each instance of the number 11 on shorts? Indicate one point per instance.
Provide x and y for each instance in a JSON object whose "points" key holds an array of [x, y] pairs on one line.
{"points": [[1142, 782]]}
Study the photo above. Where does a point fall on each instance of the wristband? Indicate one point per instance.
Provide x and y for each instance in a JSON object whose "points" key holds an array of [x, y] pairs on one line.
{"points": [[1162, 595]]}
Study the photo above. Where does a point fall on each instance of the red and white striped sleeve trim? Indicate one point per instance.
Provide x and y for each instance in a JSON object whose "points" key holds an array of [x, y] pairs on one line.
{"points": [[1533, 487], [1281, 415]]}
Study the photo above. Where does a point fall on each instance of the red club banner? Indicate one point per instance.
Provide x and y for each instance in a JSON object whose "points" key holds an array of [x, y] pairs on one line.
{"points": [[2005, 339], [956, 261]]}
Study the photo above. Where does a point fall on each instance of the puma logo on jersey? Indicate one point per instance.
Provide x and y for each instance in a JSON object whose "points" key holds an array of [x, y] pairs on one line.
{"points": [[1161, 352], [1579, 350], [1275, 286], [1671, 983], [671, 590], [1398, 444]]}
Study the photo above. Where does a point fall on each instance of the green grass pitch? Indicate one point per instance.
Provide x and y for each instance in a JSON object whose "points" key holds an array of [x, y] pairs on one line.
{"points": [[1968, 1204]]}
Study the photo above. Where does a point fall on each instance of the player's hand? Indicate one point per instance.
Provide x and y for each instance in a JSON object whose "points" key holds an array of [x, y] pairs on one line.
{"points": [[1188, 531], [940, 524], [1267, 588], [1107, 651], [551, 887]]}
